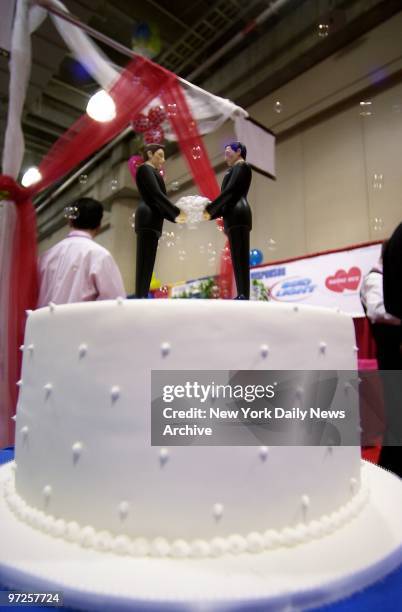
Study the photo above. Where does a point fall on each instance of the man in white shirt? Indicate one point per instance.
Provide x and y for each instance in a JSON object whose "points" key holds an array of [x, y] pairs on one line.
{"points": [[77, 269]]}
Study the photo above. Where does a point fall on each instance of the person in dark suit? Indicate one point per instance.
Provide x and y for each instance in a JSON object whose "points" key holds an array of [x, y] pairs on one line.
{"points": [[391, 453], [153, 208], [232, 205]]}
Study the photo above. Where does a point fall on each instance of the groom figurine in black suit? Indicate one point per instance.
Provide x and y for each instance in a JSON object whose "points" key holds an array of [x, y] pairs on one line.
{"points": [[153, 208], [232, 205]]}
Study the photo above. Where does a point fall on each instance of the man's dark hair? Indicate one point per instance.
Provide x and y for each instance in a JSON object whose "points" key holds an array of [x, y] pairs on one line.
{"points": [[235, 146], [89, 214], [153, 147]]}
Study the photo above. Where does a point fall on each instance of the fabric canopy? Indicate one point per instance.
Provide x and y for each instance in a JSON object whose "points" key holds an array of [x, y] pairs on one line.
{"points": [[192, 112]]}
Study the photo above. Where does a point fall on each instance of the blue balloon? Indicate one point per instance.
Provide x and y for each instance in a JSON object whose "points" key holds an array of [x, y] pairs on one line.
{"points": [[256, 257]]}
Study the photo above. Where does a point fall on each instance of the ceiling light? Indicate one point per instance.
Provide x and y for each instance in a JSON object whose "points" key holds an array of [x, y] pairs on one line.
{"points": [[101, 107], [31, 176]]}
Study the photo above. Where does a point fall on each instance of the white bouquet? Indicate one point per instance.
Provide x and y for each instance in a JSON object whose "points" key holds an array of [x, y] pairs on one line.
{"points": [[193, 206]]}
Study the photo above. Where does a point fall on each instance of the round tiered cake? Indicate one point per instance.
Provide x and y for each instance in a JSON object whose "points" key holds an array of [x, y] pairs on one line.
{"points": [[87, 476]]}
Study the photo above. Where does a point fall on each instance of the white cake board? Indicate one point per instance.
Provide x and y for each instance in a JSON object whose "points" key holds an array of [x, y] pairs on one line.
{"points": [[303, 576]]}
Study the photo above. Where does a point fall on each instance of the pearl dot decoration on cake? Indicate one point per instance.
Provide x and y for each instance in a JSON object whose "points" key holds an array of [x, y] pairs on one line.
{"points": [[235, 544], [264, 350], [48, 388], [217, 511], [47, 492], [165, 349], [263, 452], [305, 502], [160, 547], [123, 510], [322, 347], [77, 451], [115, 393], [82, 350], [163, 455]]}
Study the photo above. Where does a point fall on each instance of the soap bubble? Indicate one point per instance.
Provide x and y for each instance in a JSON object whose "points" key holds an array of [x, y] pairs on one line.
{"points": [[114, 183], [377, 223], [131, 220], [271, 244], [278, 107], [164, 290], [182, 255], [323, 30], [196, 152], [202, 249], [172, 110], [170, 239], [366, 108], [174, 186], [378, 181], [215, 292], [83, 179]]}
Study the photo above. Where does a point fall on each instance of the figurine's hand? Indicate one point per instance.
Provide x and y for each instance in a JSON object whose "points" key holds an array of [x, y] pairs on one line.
{"points": [[181, 218], [206, 216]]}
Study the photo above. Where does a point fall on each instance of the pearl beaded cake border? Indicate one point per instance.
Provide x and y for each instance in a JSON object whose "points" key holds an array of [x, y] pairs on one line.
{"points": [[235, 544]]}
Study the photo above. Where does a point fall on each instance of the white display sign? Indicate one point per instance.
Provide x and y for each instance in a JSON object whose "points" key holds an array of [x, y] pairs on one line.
{"points": [[332, 280]]}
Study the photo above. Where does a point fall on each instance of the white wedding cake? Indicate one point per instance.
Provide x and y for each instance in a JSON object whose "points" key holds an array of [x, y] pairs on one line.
{"points": [[86, 468], [91, 500]]}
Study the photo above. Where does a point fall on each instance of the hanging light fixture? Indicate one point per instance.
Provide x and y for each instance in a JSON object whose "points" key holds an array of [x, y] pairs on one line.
{"points": [[101, 107], [31, 176]]}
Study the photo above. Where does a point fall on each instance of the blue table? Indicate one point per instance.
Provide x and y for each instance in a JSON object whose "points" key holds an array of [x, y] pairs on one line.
{"points": [[385, 595]]}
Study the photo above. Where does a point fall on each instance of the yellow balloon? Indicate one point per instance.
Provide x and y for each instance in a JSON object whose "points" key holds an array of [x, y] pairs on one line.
{"points": [[155, 283]]}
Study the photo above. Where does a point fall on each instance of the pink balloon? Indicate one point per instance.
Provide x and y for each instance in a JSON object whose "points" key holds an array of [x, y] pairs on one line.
{"points": [[133, 164], [154, 136], [140, 123], [156, 115]]}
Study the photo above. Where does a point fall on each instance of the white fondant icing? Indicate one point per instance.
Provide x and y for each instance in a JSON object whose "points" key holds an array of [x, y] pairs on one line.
{"points": [[175, 503]]}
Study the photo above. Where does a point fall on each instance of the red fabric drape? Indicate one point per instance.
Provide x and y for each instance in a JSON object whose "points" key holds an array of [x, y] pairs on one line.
{"points": [[364, 338], [139, 84], [22, 296]]}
